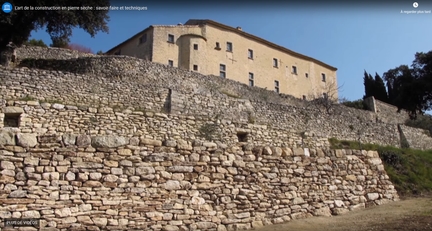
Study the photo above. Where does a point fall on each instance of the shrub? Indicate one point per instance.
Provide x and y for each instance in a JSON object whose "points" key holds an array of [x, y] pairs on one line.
{"points": [[34, 42], [422, 121], [208, 131], [359, 104]]}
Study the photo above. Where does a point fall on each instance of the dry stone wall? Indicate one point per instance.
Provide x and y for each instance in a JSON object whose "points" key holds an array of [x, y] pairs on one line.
{"points": [[342, 123], [36, 52], [54, 118], [82, 182], [416, 137], [120, 82], [93, 142], [389, 114], [85, 91], [80, 90]]}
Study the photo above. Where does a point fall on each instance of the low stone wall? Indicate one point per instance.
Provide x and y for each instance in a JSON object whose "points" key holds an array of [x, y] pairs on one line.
{"points": [[36, 52], [389, 114], [186, 95], [416, 137], [342, 123], [79, 90], [79, 182]]}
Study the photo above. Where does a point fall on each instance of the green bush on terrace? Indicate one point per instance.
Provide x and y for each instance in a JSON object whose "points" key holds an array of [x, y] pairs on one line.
{"points": [[409, 170]]}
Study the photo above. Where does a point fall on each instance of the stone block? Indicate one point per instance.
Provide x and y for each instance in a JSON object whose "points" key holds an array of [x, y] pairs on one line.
{"points": [[184, 145], [180, 169], [58, 106], [324, 212], [372, 196], [150, 142], [350, 178], [109, 141], [172, 185], [7, 165], [13, 110], [101, 221], [27, 140], [18, 194], [69, 139], [298, 151], [64, 212], [83, 140], [171, 228], [7, 138]]}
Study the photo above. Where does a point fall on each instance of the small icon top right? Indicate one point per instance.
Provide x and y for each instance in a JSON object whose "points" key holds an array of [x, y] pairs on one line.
{"points": [[415, 4]]}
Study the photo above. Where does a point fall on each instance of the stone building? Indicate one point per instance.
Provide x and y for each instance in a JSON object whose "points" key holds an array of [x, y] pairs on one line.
{"points": [[212, 48]]}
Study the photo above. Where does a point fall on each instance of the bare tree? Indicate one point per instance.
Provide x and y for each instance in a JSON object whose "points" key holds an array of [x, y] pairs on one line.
{"points": [[326, 100]]}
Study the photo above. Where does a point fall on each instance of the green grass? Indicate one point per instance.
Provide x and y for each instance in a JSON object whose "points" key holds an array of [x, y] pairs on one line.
{"points": [[410, 170], [27, 98]]}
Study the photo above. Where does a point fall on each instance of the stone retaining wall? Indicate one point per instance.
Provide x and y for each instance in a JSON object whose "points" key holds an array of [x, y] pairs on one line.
{"points": [[90, 141], [189, 98], [54, 118], [417, 137], [79, 182], [389, 114]]}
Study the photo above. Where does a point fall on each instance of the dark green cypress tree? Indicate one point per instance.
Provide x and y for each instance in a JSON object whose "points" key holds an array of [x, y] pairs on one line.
{"points": [[380, 92], [368, 82]]}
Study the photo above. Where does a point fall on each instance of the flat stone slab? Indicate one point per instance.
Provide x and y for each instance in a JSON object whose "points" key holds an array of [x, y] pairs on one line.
{"points": [[13, 110]]}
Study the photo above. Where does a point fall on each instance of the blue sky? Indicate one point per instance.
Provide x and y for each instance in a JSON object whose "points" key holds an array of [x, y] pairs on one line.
{"points": [[352, 37]]}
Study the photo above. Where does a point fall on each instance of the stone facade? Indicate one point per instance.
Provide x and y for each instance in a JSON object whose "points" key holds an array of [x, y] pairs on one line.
{"points": [[82, 182], [202, 46]]}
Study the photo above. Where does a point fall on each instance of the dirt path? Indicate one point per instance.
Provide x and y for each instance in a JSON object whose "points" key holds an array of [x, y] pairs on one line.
{"points": [[406, 214]]}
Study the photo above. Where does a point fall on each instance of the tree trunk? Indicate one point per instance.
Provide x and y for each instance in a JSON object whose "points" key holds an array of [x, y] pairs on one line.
{"points": [[8, 55]]}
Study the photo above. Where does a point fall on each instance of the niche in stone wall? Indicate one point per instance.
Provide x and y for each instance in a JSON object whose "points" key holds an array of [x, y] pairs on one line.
{"points": [[242, 136], [167, 103], [12, 119]]}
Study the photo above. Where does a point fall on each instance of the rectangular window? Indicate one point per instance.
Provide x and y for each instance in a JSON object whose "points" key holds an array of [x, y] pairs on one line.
{"points": [[143, 39], [222, 71], [307, 75], [195, 46], [12, 120], [171, 38], [323, 77], [276, 86], [170, 63], [250, 54], [275, 63], [229, 47], [294, 70], [251, 79], [304, 97], [195, 67], [217, 46]]}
